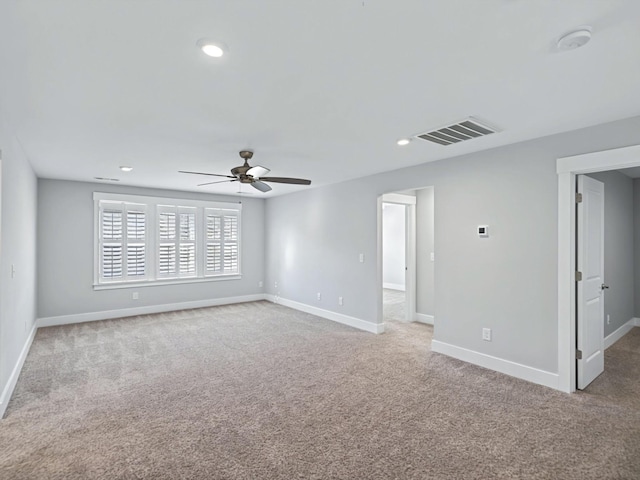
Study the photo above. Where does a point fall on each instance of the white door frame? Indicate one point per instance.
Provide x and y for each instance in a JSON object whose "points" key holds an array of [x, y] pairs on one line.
{"points": [[567, 169], [410, 252]]}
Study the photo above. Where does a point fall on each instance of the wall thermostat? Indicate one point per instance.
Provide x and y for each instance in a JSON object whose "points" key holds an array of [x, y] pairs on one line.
{"points": [[483, 230]]}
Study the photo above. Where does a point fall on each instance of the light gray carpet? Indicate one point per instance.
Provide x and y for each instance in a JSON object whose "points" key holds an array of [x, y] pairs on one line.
{"points": [[393, 305], [259, 391]]}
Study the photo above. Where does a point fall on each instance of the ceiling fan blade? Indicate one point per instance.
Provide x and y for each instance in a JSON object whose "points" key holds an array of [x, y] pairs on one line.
{"points": [[296, 181], [210, 174], [263, 187], [219, 181], [258, 171]]}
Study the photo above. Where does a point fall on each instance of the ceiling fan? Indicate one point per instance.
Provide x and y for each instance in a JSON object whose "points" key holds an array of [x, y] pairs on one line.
{"points": [[252, 175]]}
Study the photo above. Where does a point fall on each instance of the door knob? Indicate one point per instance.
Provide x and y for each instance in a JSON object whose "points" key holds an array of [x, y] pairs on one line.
{"points": [[604, 287]]}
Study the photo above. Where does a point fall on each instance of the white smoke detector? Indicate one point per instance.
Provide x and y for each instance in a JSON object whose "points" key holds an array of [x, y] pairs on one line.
{"points": [[575, 39]]}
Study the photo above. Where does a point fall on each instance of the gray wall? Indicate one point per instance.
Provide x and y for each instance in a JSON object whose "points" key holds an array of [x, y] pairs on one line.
{"points": [[618, 249], [17, 248], [425, 268], [507, 282], [636, 243], [65, 253], [393, 245]]}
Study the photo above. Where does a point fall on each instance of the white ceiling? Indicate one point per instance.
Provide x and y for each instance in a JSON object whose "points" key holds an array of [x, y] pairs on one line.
{"points": [[319, 89], [631, 172]]}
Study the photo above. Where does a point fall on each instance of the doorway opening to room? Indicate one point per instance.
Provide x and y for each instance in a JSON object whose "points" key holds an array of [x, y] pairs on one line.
{"points": [[406, 256], [395, 258], [598, 266]]}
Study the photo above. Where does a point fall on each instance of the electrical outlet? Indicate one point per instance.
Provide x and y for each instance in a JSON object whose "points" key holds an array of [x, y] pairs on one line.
{"points": [[608, 319], [13, 270], [275, 284], [340, 301], [433, 256], [260, 284], [362, 258], [319, 296], [135, 296], [486, 334]]}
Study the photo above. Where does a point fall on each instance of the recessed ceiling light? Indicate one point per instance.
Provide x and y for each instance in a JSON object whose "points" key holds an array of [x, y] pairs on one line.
{"points": [[124, 168], [212, 48], [403, 141]]}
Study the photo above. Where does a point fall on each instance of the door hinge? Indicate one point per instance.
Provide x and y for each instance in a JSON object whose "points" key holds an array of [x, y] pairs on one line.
{"points": [[578, 276], [578, 354], [578, 198]]}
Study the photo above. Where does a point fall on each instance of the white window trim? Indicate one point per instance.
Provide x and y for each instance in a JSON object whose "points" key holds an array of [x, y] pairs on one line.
{"points": [[152, 205]]}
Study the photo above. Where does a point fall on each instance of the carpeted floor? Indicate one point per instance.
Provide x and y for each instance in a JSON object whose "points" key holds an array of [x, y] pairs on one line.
{"points": [[259, 391], [393, 305]]}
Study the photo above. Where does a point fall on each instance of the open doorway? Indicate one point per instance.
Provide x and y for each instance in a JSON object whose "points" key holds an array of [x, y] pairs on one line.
{"points": [[394, 261], [608, 216], [596, 252], [406, 256], [398, 256]]}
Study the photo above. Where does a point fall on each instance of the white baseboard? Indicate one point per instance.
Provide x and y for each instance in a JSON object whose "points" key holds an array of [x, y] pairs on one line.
{"points": [[329, 315], [534, 375], [424, 318], [129, 312], [620, 332], [15, 373], [394, 286]]}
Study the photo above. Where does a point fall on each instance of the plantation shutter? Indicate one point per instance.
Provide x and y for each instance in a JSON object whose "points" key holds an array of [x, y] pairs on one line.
{"points": [[122, 242], [230, 245], [176, 242], [111, 242], [136, 242], [188, 242], [167, 243], [214, 244], [222, 242]]}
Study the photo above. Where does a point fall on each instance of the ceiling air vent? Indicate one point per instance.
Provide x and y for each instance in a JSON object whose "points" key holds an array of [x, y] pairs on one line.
{"points": [[458, 132], [104, 179]]}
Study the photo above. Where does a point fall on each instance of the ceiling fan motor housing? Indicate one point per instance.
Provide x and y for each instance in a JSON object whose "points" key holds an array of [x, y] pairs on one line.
{"points": [[241, 171]]}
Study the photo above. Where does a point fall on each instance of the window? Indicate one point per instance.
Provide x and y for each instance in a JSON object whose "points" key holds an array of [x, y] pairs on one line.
{"points": [[155, 240], [176, 241], [222, 242], [122, 241]]}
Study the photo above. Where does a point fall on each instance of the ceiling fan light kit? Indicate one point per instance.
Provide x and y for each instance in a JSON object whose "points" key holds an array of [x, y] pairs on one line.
{"points": [[253, 176]]}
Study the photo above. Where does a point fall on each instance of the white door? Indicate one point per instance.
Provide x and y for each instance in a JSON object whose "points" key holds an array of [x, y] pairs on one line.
{"points": [[590, 263]]}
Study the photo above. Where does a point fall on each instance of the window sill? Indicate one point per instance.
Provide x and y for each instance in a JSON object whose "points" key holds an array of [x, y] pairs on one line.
{"points": [[169, 281]]}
